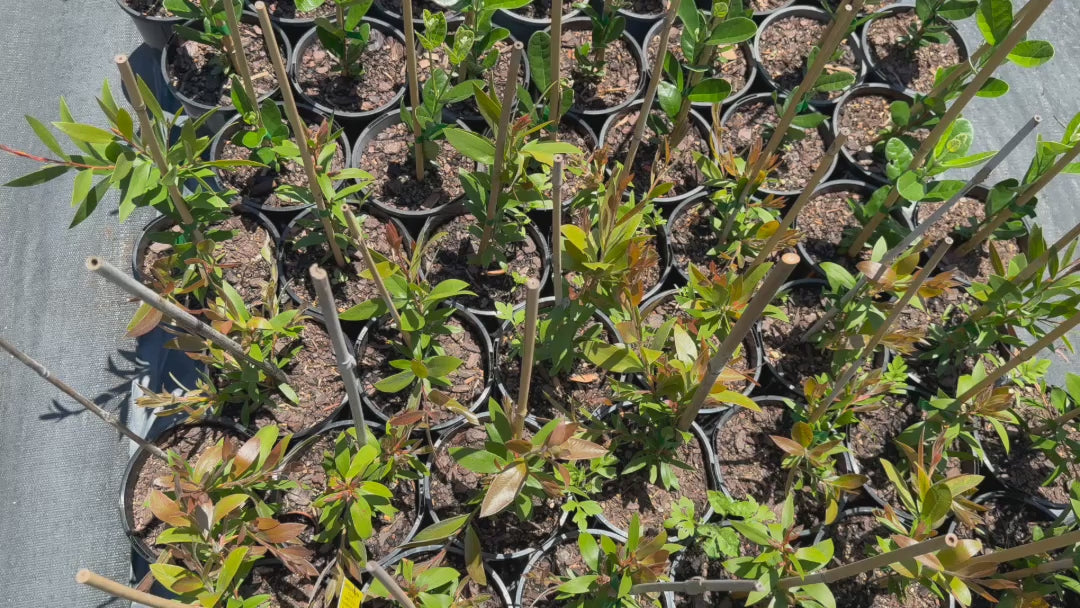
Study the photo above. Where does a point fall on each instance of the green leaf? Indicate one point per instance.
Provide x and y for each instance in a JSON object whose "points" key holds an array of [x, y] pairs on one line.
{"points": [[619, 359], [398, 382], [995, 19], [38, 177], [820, 592], [540, 60], [440, 530], [900, 111], [994, 87], [732, 31], [471, 145], [578, 584], [449, 288], [1032, 53], [910, 187], [936, 504], [84, 133], [364, 311], [477, 461], [442, 365], [710, 90], [667, 95], [45, 136], [84, 180]]}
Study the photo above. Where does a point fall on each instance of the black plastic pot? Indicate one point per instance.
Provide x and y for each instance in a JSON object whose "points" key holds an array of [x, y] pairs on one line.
{"points": [[485, 418], [751, 344], [522, 27], [701, 198], [414, 217], [567, 538], [637, 24], [467, 318], [696, 121], [127, 488], [703, 107], [877, 90], [766, 13], [280, 215], [379, 10], [294, 27], [993, 469], [195, 109], [868, 52], [816, 14], [597, 118], [432, 225], [495, 582], [352, 121], [155, 31], [824, 130]]}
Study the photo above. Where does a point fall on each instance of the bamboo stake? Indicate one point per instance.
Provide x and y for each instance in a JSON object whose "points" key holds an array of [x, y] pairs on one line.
{"points": [[556, 226], [1024, 355], [872, 563], [829, 42], [150, 138], [776, 278], [180, 316], [999, 55], [1040, 546], [555, 98], [920, 230], [115, 589], [532, 302], [388, 581], [804, 198], [696, 586], [346, 363], [1025, 197], [414, 85], [299, 129], [508, 97], [1044, 568], [109, 418], [369, 263], [868, 349], [239, 59], [650, 92]]}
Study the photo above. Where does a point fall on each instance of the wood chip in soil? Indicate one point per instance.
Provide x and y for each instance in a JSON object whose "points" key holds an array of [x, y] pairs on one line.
{"points": [[619, 82], [798, 160], [467, 382], [383, 63], [198, 70], [785, 46], [389, 159], [866, 120], [898, 62], [649, 164]]}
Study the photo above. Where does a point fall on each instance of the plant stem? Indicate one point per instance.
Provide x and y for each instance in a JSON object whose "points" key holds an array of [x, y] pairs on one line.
{"points": [[369, 263], [1029, 193], [528, 348], [239, 59], [555, 96], [299, 129], [115, 589], [754, 308], [108, 417], [388, 581], [346, 363], [1040, 546], [681, 125], [414, 86], [556, 227], [180, 316], [600, 50], [804, 198], [345, 43], [150, 138], [995, 60], [650, 92], [508, 97]]}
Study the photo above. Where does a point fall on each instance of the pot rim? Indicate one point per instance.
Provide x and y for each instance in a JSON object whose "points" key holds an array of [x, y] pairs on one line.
{"points": [[134, 14]]}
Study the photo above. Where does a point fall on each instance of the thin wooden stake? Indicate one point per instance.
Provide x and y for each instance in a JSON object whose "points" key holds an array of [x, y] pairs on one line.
{"points": [[180, 316], [115, 589], [369, 263], [414, 85], [1040, 546], [556, 227], [388, 581], [528, 348], [1044, 568], [239, 59], [509, 95], [299, 130], [696, 586], [346, 363], [650, 92], [869, 564], [555, 98], [108, 417], [804, 198], [150, 138], [776, 278], [1001, 52]]}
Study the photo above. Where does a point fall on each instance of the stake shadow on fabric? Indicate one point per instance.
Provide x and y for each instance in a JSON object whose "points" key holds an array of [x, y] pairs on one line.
{"points": [[60, 410]]}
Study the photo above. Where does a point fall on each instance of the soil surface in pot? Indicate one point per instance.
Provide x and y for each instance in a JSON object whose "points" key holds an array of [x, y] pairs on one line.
{"points": [[348, 287], [149, 8], [898, 62], [733, 65], [1026, 468], [242, 263], [618, 83], [1006, 524], [383, 62], [865, 119], [307, 471], [286, 9], [692, 235], [872, 439], [257, 184], [644, 7], [286, 589], [761, 6], [389, 159], [649, 166], [798, 160], [189, 442], [453, 487], [198, 71], [785, 46], [828, 226], [943, 310], [627, 495], [448, 258], [751, 464], [964, 218], [468, 381], [472, 595]]}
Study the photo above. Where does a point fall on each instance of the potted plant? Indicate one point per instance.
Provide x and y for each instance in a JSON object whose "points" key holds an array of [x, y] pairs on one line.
{"points": [[607, 72]]}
